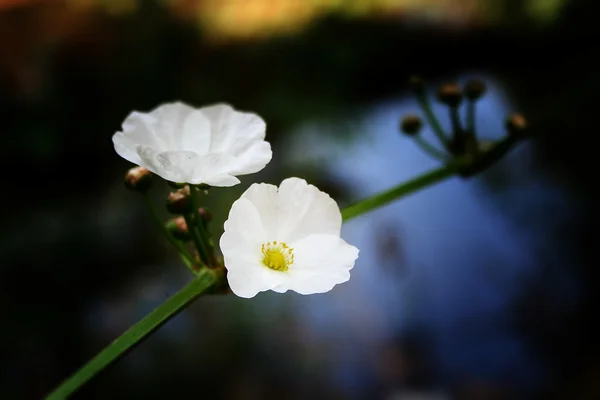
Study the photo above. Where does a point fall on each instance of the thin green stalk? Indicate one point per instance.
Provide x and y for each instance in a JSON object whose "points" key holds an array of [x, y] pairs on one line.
{"points": [[457, 129], [430, 149], [472, 146], [204, 234], [194, 190], [432, 120], [196, 238], [183, 253], [135, 334], [494, 154], [404, 189], [471, 118]]}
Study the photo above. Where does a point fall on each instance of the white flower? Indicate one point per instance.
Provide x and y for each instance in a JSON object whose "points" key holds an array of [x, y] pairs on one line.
{"points": [[286, 239], [208, 145]]}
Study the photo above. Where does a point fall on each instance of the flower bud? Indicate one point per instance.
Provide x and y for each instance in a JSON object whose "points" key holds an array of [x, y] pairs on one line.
{"points": [[138, 179], [474, 89], [450, 94], [178, 228], [206, 215], [516, 124], [411, 124], [180, 201]]}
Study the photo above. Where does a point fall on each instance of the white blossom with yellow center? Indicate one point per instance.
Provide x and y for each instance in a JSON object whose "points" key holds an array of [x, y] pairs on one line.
{"points": [[210, 145], [285, 238]]}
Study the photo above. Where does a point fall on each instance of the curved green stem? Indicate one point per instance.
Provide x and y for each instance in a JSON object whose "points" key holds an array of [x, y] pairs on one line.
{"points": [[399, 191], [124, 343], [206, 278], [183, 253]]}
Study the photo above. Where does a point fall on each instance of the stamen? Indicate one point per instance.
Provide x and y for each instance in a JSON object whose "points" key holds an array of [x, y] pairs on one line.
{"points": [[277, 255]]}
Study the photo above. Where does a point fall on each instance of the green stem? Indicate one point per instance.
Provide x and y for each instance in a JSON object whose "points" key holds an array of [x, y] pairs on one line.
{"points": [[401, 190], [135, 334], [472, 146], [200, 224], [457, 130], [493, 155], [432, 120], [430, 149], [207, 240], [183, 253], [196, 238], [471, 118]]}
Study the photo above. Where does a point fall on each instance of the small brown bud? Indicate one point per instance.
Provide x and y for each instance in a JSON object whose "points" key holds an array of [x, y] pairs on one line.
{"points": [[474, 89], [180, 201], [206, 215], [450, 94], [138, 179], [411, 124], [516, 125], [178, 228]]}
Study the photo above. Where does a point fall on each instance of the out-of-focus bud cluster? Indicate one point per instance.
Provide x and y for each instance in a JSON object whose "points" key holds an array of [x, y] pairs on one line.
{"points": [[460, 144]]}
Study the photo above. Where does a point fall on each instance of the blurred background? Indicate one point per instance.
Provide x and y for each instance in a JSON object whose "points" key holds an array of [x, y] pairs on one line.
{"points": [[484, 288]]}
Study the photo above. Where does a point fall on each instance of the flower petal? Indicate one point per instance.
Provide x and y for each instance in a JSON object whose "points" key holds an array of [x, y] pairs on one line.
{"points": [[265, 198], [304, 210], [233, 130], [213, 169], [223, 180], [168, 124], [248, 279], [320, 263], [252, 159], [241, 248], [243, 228], [178, 166], [195, 134], [137, 130]]}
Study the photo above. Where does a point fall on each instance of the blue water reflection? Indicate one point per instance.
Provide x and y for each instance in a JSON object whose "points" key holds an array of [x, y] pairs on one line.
{"points": [[462, 259]]}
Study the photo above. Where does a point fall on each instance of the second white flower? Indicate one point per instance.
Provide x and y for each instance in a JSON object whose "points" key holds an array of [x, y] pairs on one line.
{"points": [[285, 239]]}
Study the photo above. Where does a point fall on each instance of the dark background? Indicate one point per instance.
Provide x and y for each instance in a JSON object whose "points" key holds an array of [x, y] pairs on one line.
{"points": [[80, 260]]}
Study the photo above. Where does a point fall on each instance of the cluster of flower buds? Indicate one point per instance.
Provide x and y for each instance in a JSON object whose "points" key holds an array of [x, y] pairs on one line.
{"points": [[461, 144], [180, 203]]}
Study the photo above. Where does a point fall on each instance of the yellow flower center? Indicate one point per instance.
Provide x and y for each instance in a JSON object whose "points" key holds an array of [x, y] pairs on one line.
{"points": [[277, 255]]}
